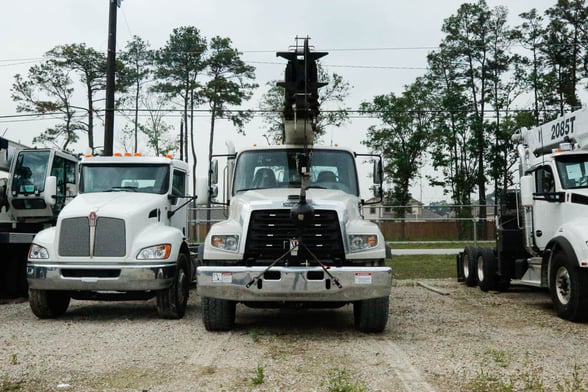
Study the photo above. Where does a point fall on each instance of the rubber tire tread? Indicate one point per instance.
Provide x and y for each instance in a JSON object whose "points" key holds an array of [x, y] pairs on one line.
{"points": [[218, 314], [471, 258], [48, 304], [168, 304], [577, 308], [489, 268], [371, 315]]}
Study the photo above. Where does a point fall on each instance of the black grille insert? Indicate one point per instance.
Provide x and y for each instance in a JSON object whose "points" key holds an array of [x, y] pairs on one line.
{"points": [[270, 233]]}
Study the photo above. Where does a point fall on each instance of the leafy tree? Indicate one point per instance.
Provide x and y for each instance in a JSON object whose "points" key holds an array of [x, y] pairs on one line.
{"points": [[178, 66], [565, 38], [90, 65], [474, 43], [48, 89], [452, 141], [138, 59], [405, 126], [229, 85], [533, 71], [331, 100]]}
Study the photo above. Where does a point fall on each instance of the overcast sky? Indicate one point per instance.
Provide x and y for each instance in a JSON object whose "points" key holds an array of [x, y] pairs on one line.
{"points": [[378, 46]]}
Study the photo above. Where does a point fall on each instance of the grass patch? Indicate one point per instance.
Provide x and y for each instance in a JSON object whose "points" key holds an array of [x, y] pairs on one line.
{"points": [[423, 266], [340, 380], [259, 377], [438, 244]]}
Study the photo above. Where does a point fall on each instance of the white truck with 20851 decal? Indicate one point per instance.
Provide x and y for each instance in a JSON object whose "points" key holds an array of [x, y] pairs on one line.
{"points": [[122, 237], [295, 234]]}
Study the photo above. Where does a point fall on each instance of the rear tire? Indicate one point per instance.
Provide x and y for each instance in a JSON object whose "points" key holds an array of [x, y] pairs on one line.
{"points": [[469, 265], [172, 302], [371, 315], [486, 269], [48, 304], [218, 314], [568, 288]]}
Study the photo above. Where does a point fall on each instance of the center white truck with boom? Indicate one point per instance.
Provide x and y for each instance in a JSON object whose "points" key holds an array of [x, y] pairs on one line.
{"points": [[295, 234], [542, 229], [122, 237]]}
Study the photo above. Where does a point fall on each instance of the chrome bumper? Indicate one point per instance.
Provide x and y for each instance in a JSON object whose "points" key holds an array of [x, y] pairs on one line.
{"points": [[294, 283], [109, 277]]}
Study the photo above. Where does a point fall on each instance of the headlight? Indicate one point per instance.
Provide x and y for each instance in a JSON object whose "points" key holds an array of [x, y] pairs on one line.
{"points": [[156, 252], [37, 252], [363, 241], [225, 242]]}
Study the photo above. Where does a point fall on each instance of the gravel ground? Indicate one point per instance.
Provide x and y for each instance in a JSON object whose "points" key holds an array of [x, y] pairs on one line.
{"points": [[459, 339]]}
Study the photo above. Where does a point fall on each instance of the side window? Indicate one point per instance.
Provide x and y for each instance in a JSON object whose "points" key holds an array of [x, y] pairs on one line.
{"points": [[544, 180], [179, 183]]}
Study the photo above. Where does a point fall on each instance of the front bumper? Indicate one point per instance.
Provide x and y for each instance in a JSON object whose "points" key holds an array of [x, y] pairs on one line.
{"points": [[102, 277], [294, 283]]}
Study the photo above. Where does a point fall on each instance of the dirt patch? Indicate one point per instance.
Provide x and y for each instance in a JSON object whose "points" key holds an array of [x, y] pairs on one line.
{"points": [[448, 339]]}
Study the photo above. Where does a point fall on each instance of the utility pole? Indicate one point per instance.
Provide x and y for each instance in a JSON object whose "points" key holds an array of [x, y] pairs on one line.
{"points": [[110, 78]]}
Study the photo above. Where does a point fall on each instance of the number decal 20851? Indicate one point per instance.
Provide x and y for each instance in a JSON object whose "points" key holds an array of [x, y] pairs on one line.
{"points": [[562, 128]]}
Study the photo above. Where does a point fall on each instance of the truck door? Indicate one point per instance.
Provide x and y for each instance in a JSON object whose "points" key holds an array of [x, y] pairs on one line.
{"points": [[180, 218], [547, 207]]}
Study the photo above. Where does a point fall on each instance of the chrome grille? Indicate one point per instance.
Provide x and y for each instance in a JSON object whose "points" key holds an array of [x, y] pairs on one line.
{"points": [[109, 238]]}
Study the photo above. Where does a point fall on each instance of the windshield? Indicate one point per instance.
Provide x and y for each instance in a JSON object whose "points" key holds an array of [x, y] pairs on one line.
{"points": [[124, 178], [573, 171], [263, 169], [30, 171]]}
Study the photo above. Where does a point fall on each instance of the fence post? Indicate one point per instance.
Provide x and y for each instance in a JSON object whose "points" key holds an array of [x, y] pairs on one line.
{"points": [[475, 219]]}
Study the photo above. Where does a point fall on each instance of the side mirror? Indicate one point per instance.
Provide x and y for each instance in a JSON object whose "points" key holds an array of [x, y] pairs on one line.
{"points": [[201, 191], [50, 193], [377, 172], [214, 172], [527, 190]]}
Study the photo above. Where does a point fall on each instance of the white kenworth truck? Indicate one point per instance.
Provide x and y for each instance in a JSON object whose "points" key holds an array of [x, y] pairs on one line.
{"points": [[122, 237], [295, 234], [542, 229]]}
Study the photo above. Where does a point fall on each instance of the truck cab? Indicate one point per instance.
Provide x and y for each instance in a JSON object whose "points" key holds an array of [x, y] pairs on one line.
{"points": [[261, 256], [122, 237]]}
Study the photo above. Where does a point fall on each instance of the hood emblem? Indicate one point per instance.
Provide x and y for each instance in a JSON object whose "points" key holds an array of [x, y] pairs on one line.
{"points": [[92, 219]]}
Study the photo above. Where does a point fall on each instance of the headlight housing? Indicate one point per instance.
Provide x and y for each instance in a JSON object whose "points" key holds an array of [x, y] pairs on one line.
{"points": [[359, 242], [155, 252], [228, 242], [38, 252]]}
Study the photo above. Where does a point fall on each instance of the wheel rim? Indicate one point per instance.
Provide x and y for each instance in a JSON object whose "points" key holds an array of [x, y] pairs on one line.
{"points": [[563, 285], [480, 269], [466, 269]]}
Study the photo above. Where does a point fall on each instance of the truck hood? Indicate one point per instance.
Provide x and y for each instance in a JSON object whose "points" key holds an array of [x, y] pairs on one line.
{"points": [[113, 204], [344, 203]]}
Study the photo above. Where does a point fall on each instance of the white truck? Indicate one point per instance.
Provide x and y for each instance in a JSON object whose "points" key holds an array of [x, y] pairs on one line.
{"points": [[542, 229], [295, 234], [122, 237], [39, 182]]}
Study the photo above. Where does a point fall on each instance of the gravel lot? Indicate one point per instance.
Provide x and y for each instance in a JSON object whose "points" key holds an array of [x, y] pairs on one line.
{"points": [[463, 340]]}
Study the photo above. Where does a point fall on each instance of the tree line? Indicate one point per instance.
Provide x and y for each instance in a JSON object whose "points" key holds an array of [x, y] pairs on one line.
{"points": [[485, 80]]}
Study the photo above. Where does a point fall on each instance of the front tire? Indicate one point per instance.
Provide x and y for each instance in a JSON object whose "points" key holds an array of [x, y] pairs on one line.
{"points": [[371, 315], [172, 302], [568, 288], [48, 304], [218, 314]]}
